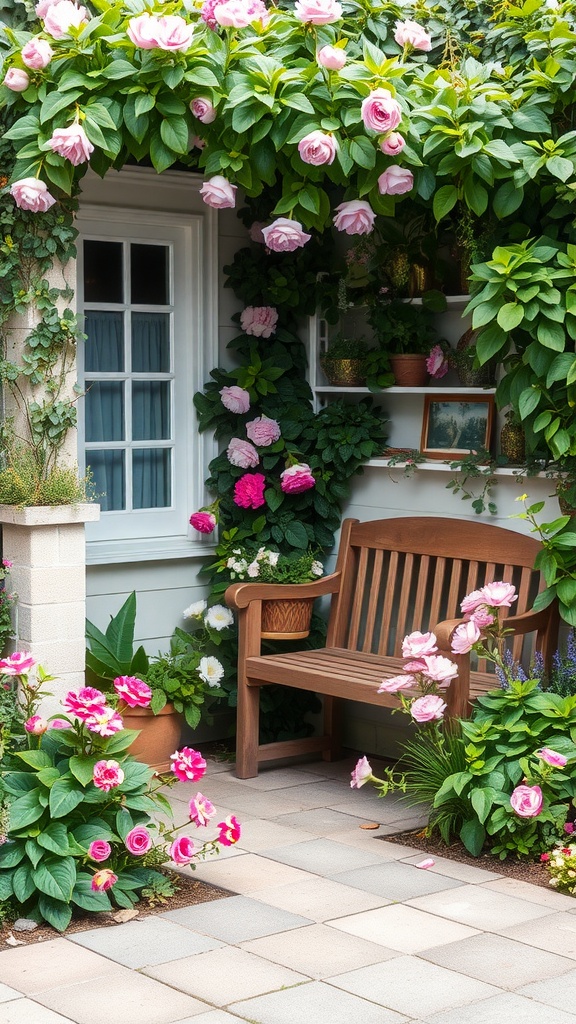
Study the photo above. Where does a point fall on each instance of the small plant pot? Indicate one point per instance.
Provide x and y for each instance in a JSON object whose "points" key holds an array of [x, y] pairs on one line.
{"points": [[409, 370], [342, 373], [159, 735], [513, 443], [286, 620]]}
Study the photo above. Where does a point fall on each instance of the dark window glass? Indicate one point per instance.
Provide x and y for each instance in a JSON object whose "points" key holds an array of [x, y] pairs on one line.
{"points": [[150, 410], [151, 477], [104, 407], [150, 343], [149, 274], [109, 475], [103, 278], [104, 351]]}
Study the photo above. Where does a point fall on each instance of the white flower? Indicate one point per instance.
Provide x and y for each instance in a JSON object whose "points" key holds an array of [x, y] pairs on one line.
{"points": [[195, 610], [253, 570], [230, 563], [210, 670], [218, 617], [317, 569], [240, 566], [273, 557]]}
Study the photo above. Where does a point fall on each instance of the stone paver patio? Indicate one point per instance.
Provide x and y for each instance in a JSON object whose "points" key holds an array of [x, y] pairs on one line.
{"points": [[329, 925]]}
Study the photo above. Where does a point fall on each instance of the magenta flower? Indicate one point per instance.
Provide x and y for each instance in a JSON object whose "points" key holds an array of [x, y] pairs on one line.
{"points": [[207, 13], [103, 879], [58, 723], [416, 644], [134, 692], [229, 831], [259, 321], [241, 453], [498, 595], [204, 522], [88, 701], [105, 721], [188, 765], [36, 725], [201, 810], [297, 478], [482, 617], [263, 431], [552, 757], [527, 801], [18, 664], [392, 144], [235, 399], [464, 637], [138, 841], [437, 363], [361, 773], [107, 775], [249, 490], [99, 850], [428, 708], [182, 851], [396, 683], [569, 827]]}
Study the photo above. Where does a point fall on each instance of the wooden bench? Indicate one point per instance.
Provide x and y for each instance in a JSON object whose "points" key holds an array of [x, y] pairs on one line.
{"points": [[392, 576]]}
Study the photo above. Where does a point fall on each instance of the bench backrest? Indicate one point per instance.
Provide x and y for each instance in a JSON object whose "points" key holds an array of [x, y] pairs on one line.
{"points": [[399, 575]]}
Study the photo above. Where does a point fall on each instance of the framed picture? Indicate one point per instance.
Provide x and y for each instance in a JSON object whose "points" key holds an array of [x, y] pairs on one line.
{"points": [[456, 424]]}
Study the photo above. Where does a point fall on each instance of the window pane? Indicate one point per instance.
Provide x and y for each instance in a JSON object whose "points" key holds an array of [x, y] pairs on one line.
{"points": [[109, 474], [150, 410], [104, 411], [103, 277], [151, 477], [104, 352], [150, 342], [149, 274]]}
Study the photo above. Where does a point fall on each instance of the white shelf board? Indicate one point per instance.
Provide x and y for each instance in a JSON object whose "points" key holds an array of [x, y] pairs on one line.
{"points": [[440, 466], [330, 389]]}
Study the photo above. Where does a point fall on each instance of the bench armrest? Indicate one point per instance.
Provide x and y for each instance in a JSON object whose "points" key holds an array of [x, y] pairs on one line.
{"points": [[527, 622], [240, 595]]}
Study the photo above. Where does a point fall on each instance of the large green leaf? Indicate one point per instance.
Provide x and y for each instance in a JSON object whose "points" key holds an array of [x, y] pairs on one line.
{"points": [[473, 835], [55, 838], [23, 883], [82, 767], [84, 896], [444, 200], [19, 783], [91, 830], [121, 741], [11, 853], [56, 877], [6, 888], [55, 912], [25, 810], [35, 758], [65, 795]]}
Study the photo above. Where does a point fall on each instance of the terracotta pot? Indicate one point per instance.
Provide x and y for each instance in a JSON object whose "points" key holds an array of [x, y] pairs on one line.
{"points": [[342, 373], [286, 620], [159, 735], [409, 370]]}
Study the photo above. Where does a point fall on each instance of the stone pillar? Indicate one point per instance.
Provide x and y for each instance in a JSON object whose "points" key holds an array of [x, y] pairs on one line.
{"points": [[47, 548]]}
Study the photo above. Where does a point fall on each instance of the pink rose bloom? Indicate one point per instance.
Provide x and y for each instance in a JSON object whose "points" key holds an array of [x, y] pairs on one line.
{"points": [[32, 194], [416, 644], [17, 664], [498, 595], [229, 831], [207, 13], [380, 111], [173, 33], [331, 57], [43, 7], [482, 617], [7, 564], [105, 721], [396, 683], [138, 841], [99, 850], [317, 148], [36, 725], [16, 79], [569, 827], [526, 801], [428, 708], [552, 757], [284, 235], [410, 33], [395, 181], [37, 53], [241, 453], [103, 879], [356, 217], [361, 772], [143, 31], [440, 669], [415, 666], [255, 232], [203, 109], [197, 142], [235, 399], [63, 16], [182, 851], [259, 321], [437, 363], [200, 810], [297, 478], [134, 692], [188, 765], [71, 143], [464, 637], [107, 775], [249, 490], [317, 12], [239, 13], [88, 701], [219, 193], [263, 431], [204, 522], [471, 602], [392, 144]]}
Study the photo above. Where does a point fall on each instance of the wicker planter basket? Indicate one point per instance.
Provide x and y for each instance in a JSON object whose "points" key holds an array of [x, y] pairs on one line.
{"points": [[286, 620]]}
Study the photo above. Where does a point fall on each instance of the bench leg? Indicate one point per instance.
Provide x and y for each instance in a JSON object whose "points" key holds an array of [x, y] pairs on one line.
{"points": [[247, 731], [333, 728]]}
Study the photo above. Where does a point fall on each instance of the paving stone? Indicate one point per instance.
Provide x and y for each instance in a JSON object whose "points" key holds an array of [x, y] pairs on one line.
{"points": [[402, 928], [235, 920], [508, 1008], [500, 961], [324, 857], [224, 975], [395, 881], [45, 965], [316, 1002], [25, 1011], [7, 993], [480, 907], [318, 951], [322, 821], [555, 932], [279, 778], [211, 1017], [321, 899], [143, 942], [249, 873], [532, 893], [131, 998], [385, 849], [413, 986], [558, 992], [453, 868], [260, 835]]}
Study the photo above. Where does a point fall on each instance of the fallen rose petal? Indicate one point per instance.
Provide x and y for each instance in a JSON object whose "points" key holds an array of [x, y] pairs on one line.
{"points": [[429, 862]]}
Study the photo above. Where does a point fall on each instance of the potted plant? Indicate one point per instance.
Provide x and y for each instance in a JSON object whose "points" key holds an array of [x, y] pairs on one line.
{"points": [[281, 619], [465, 362], [343, 361], [405, 332]]}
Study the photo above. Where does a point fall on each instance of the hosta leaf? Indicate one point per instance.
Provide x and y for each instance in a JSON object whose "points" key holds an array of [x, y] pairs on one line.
{"points": [[55, 912], [65, 795], [56, 877]]}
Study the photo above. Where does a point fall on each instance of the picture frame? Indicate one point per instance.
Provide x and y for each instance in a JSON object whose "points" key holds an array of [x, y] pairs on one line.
{"points": [[455, 424]]}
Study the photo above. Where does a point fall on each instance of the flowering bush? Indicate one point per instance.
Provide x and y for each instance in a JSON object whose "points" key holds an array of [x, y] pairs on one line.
{"points": [[266, 566], [561, 863]]}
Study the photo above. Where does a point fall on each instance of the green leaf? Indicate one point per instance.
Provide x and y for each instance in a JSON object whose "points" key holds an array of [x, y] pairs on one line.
{"points": [[35, 758], [6, 889], [174, 132], [19, 782], [55, 838], [57, 101], [559, 167], [528, 402], [119, 69], [34, 851], [82, 767], [65, 795], [507, 199], [23, 883], [84, 896], [11, 853], [192, 715], [296, 535], [473, 835], [25, 810], [56, 877], [444, 200], [551, 335], [135, 775], [510, 315], [121, 741], [482, 801], [124, 822], [91, 830], [55, 912]]}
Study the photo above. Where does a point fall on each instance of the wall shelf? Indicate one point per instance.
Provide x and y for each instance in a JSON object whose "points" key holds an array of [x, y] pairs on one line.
{"points": [[327, 389], [440, 466]]}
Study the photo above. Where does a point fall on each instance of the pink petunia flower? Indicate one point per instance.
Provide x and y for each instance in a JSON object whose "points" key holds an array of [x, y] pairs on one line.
{"points": [[138, 841], [103, 880], [36, 725], [88, 701], [99, 850], [552, 757], [204, 522], [297, 478], [18, 664], [526, 801]]}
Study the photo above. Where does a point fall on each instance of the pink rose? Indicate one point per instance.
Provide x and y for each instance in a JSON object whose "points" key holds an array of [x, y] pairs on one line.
{"points": [[331, 57], [16, 80], [235, 399], [200, 810], [188, 765], [43, 7], [32, 194], [498, 595], [396, 683], [317, 12], [437, 363], [395, 181], [182, 851], [63, 16], [355, 217], [99, 850], [103, 879], [380, 111], [203, 109], [259, 321], [317, 148], [428, 708], [197, 142], [392, 144], [361, 772], [134, 692], [17, 664], [71, 143], [526, 801], [207, 13], [414, 666], [416, 644], [229, 831], [240, 13], [464, 637], [173, 33], [241, 453], [36, 725], [284, 235], [107, 775], [143, 31], [86, 702], [204, 522], [481, 617], [105, 722], [249, 490], [471, 602], [297, 478], [138, 841], [263, 431], [439, 669], [552, 757], [37, 53], [410, 33], [219, 193]]}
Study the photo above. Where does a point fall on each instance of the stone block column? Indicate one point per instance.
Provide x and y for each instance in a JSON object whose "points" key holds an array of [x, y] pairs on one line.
{"points": [[47, 548]]}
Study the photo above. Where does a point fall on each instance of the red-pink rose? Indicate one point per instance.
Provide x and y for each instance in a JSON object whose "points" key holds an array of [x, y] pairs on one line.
{"points": [[355, 217], [263, 431], [464, 637], [63, 16], [395, 181], [317, 12], [284, 235], [410, 33], [219, 193], [297, 478], [416, 644], [203, 109], [259, 321], [17, 664], [16, 80], [182, 851], [37, 53], [134, 692], [317, 148], [498, 594], [204, 522], [32, 194], [138, 841], [72, 143], [173, 33], [331, 57], [103, 879], [143, 31], [235, 399], [241, 453], [428, 708], [106, 775], [105, 721], [99, 850], [249, 490], [229, 831], [36, 725], [86, 702], [380, 111], [188, 765], [361, 772], [392, 144], [526, 801], [482, 617], [200, 810]]}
